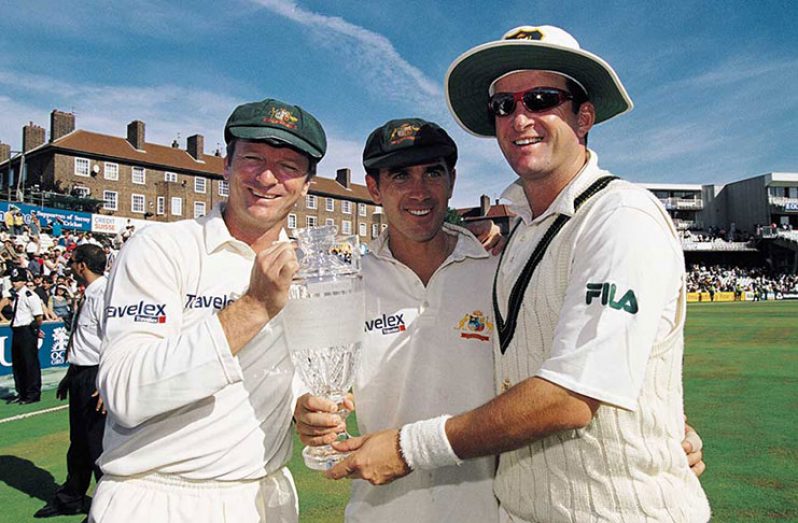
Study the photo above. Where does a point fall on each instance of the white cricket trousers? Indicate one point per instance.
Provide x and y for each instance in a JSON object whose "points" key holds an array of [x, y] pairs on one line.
{"points": [[160, 498]]}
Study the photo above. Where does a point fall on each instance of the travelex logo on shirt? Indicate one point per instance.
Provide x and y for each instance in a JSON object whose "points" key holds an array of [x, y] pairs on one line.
{"points": [[475, 326], [196, 301], [141, 312], [388, 324], [606, 291]]}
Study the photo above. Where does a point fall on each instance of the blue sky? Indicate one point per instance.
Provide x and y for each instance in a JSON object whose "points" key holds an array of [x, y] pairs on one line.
{"points": [[714, 83]]}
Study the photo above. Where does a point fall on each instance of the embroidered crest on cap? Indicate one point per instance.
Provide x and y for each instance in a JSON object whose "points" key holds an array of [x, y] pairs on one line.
{"points": [[475, 325], [526, 33], [404, 132], [281, 116]]}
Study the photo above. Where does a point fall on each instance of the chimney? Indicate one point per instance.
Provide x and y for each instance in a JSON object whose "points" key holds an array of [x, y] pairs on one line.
{"points": [[32, 137], [135, 134], [61, 124], [196, 146], [5, 152], [484, 205], [342, 176]]}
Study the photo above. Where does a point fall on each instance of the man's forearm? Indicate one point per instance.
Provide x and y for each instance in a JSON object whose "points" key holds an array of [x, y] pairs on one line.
{"points": [[241, 321], [528, 411]]}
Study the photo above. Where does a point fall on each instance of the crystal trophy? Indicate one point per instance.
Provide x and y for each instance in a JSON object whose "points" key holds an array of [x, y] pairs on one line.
{"points": [[324, 320]]}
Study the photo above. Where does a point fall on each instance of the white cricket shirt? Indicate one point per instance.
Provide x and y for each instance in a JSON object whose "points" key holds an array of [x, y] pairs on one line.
{"points": [[427, 351], [85, 349], [178, 401], [599, 351], [26, 305]]}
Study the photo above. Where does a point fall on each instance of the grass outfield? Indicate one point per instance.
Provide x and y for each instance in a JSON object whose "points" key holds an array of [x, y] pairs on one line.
{"points": [[741, 387]]}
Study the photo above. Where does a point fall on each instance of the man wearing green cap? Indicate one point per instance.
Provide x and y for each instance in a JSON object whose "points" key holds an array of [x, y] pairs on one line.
{"points": [[429, 328], [589, 301], [194, 369]]}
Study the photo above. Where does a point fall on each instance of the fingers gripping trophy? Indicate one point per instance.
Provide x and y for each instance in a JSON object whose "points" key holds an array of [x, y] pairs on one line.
{"points": [[324, 321]]}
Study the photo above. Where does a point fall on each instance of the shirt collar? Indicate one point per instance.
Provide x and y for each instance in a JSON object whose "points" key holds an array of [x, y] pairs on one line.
{"points": [[216, 233], [467, 245], [97, 283], [564, 202]]}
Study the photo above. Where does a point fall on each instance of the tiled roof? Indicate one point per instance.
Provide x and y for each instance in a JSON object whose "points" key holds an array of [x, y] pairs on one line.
{"points": [[327, 187], [154, 154], [495, 211]]}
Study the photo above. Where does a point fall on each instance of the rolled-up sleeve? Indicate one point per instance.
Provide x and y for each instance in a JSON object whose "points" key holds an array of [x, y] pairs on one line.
{"points": [[150, 363]]}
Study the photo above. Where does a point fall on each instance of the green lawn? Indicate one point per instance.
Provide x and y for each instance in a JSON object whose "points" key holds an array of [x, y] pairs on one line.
{"points": [[741, 388]]}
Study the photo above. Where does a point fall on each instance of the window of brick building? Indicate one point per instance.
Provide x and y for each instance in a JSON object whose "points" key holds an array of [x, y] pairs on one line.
{"points": [[362, 229], [346, 207], [346, 227], [310, 201], [160, 205], [375, 230], [310, 221], [329, 221], [176, 206], [199, 184], [224, 188], [110, 200], [199, 209], [111, 171], [361, 209], [137, 203], [82, 167], [292, 221], [170, 177], [81, 192], [138, 176], [330, 205]]}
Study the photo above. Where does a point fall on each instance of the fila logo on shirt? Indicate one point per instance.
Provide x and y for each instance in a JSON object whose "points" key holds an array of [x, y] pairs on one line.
{"points": [[606, 291], [387, 324], [194, 301], [141, 312]]}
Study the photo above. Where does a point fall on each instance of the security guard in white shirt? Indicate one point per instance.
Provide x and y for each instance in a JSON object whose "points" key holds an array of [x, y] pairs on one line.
{"points": [[86, 412], [25, 323], [194, 370]]}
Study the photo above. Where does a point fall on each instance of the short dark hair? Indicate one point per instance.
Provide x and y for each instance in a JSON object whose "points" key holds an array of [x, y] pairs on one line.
{"points": [[92, 255], [312, 162]]}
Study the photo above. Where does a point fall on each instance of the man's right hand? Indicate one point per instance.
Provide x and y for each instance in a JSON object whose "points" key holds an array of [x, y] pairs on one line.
{"points": [[316, 420], [271, 276], [63, 387]]}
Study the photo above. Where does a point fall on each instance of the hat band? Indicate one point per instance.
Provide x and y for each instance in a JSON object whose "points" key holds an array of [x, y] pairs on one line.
{"points": [[492, 88]]}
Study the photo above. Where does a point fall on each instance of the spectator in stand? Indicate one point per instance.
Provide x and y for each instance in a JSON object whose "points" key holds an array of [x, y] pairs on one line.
{"points": [[19, 223], [61, 305], [44, 296], [8, 219], [35, 225], [57, 226]]}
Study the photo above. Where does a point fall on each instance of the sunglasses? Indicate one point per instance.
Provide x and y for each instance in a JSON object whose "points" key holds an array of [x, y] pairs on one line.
{"points": [[535, 100]]}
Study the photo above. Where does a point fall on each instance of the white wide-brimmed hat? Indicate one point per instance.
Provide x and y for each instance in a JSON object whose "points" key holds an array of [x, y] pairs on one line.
{"points": [[541, 48]]}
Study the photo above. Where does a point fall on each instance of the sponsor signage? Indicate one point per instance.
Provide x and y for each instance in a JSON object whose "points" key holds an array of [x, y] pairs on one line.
{"points": [[52, 346], [791, 206], [76, 220]]}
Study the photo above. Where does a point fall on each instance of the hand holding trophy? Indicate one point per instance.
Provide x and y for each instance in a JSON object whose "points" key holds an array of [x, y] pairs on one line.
{"points": [[324, 321]]}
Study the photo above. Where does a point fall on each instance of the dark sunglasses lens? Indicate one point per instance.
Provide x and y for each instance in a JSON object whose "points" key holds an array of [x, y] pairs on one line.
{"points": [[540, 100], [502, 104]]}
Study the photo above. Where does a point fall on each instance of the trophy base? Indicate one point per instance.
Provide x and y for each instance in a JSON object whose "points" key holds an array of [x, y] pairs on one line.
{"points": [[322, 458]]}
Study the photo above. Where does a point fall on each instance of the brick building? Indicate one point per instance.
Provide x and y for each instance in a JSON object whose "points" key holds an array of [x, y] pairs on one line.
{"points": [[130, 177]]}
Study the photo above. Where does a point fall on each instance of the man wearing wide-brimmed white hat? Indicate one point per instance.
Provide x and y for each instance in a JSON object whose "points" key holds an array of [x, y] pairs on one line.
{"points": [[589, 301]]}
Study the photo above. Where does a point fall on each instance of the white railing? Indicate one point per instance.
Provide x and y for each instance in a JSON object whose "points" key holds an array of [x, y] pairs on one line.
{"points": [[715, 245], [695, 204]]}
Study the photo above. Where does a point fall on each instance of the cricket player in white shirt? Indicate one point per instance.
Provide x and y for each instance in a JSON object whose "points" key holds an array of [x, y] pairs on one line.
{"points": [[194, 369], [429, 327], [589, 301]]}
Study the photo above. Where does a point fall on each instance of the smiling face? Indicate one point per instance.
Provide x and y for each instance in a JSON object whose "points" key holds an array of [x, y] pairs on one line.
{"points": [[414, 199], [544, 144], [265, 183]]}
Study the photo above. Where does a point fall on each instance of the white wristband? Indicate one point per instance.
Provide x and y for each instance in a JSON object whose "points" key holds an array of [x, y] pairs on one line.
{"points": [[424, 444]]}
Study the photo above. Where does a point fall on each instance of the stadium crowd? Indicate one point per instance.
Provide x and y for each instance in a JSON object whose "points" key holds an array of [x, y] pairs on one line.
{"points": [[43, 247], [723, 278]]}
